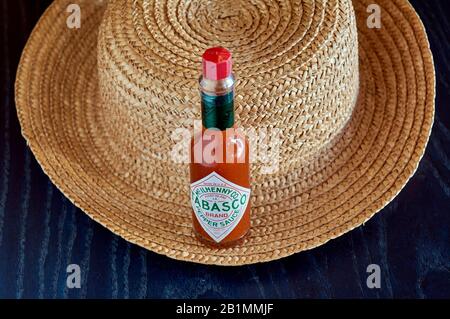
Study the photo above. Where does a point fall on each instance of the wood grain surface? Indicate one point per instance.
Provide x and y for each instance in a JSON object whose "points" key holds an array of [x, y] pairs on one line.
{"points": [[41, 232]]}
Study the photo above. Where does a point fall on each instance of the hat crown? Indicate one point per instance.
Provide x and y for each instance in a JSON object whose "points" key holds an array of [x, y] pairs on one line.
{"points": [[296, 65]]}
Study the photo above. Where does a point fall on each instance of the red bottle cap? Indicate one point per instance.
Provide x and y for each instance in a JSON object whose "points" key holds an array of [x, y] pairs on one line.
{"points": [[216, 63]]}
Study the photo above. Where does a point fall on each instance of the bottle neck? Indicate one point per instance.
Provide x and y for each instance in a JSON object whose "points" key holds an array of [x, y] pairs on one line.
{"points": [[217, 100]]}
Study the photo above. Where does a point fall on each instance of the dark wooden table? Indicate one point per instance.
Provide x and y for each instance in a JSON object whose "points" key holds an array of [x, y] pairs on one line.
{"points": [[41, 232]]}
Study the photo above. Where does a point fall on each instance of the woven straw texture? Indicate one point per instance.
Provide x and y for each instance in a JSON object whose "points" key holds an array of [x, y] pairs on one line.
{"points": [[98, 106]]}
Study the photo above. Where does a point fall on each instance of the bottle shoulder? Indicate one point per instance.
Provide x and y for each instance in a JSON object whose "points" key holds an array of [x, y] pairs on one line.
{"points": [[220, 147]]}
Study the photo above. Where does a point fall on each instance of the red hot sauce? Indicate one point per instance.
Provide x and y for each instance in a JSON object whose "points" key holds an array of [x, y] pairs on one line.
{"points": [[219, 169]]}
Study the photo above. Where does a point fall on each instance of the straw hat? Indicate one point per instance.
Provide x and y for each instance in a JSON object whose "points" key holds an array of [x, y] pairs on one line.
{"points": [[355, 105]]}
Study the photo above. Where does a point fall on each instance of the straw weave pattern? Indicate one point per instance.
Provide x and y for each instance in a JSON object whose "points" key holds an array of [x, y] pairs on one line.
{"points": [[355, 105]]}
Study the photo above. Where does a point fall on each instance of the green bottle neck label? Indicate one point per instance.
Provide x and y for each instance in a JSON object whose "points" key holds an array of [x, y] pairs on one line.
{"points": [[218, 111]]}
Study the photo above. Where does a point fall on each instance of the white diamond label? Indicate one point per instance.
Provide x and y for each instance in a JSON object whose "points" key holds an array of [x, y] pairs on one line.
{"points": [[218, 204]]}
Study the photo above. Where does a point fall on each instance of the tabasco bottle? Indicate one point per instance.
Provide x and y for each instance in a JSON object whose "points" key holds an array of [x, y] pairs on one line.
{"points": [[219, 169]]}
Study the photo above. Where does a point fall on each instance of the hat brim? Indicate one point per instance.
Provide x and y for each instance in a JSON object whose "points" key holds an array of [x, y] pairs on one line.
{"points": [[57, 103]]}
